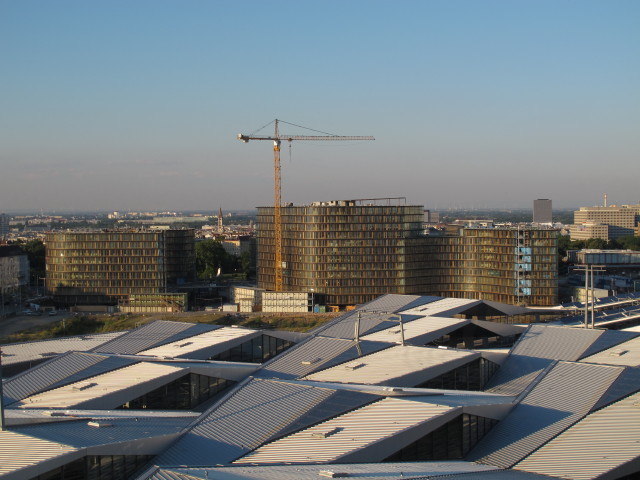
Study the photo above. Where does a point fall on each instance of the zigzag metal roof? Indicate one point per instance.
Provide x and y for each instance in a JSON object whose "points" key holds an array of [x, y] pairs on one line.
{"points": [[151, 335], [60, 371], [105, 391], [14, 353], [19, 452], [555, 343], [245, 419], [595, 446], [402, 366], [418, 332], [315, 354], [204, 345], [362, 471], [561, 398], [331, 440]]}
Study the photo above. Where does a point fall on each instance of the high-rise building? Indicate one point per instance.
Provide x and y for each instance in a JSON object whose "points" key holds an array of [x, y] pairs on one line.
{"points": [[104, 267], [4, 226], [605, 222], [542, 211], [348, 252], [516, 265]]}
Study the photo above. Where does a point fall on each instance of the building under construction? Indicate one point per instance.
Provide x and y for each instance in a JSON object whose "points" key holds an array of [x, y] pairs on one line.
{"points": [[515, 265], [347, 252], [96, 268], [350, 251]]}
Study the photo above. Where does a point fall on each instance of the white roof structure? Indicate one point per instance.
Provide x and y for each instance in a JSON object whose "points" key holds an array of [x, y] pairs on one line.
{"points": [[346, 400], [402, 366]]}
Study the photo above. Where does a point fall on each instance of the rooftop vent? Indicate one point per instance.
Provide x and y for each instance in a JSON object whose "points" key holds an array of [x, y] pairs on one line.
{"points": [[618, 353], [310, 362], [182, 345], [99, 424], [85, 386], [330, 474], [392, 389], [325, 433], [354, 366]]}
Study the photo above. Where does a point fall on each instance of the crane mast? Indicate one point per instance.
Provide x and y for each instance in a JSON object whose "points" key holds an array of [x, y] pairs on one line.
{"points": [[277, 200]]}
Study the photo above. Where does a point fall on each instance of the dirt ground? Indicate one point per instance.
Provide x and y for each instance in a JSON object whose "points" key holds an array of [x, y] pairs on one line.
{"points": [[19, 323]]}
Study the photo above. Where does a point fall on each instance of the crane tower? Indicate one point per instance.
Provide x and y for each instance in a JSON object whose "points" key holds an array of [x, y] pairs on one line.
{"points": [[277, 139]]}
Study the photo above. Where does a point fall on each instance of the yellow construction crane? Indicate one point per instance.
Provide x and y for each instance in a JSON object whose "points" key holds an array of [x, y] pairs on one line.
{"points": [[277, 138]]}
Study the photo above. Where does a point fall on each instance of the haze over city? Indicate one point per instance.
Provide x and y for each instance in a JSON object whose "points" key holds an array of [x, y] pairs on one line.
{"points": [[136, 105]]}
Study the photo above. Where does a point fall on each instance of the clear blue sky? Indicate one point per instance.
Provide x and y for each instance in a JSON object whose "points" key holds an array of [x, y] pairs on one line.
{"points": [[135, 104]]}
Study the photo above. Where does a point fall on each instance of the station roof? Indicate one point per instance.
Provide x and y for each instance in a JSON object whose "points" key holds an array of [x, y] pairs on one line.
{"points": [[334, 403]]}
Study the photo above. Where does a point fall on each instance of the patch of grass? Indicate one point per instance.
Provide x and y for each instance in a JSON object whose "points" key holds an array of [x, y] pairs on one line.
{"points": [[91, 324]]}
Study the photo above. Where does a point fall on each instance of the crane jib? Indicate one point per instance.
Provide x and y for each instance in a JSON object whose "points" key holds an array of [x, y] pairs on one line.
{"points": [[291, 138]]}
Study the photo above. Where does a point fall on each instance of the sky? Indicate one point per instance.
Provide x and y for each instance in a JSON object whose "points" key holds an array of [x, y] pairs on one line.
{"points": [[136, 104]]}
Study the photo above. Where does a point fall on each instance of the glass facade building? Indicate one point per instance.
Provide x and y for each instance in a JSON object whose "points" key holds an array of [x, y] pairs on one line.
{"points": [[511, 265], [104, 267], [347, 252]]}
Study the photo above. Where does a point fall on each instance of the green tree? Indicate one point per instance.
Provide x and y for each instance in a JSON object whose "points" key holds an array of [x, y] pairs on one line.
{"points": [[211, 257], [36, 252], [245, 263], [596, 243], [630, 242]]}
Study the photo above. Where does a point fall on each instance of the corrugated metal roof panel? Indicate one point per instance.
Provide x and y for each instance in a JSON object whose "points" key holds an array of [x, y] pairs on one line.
{"points": [[80, 434], [392, 303], [555, 343], [608, 340], [330, 440], [561, 398], [337, 403], [97, 389], [363, 471], [597, 444], [60, 371], [368, 322], [145, 337], [247, 418], [626, 353], [492, 475], [18, 451], [503, 329], [516, 374], [419, 332], [400, 366], [204, 345], [443, 307], [315, 354], [628, 382], [14, 353]]}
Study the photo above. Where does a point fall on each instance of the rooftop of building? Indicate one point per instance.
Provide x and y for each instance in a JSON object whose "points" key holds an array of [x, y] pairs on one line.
{"points": [[339, 401]]}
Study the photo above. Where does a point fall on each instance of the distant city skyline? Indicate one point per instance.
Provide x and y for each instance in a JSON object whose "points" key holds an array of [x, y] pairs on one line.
{"points": [[136, 106]]}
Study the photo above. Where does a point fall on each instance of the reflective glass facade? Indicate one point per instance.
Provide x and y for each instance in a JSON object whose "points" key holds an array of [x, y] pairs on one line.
{"points": [[451, 441], [105, 467], [508, 265], [346, 253], [184, 393], [349, 254], [102, 267]]}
